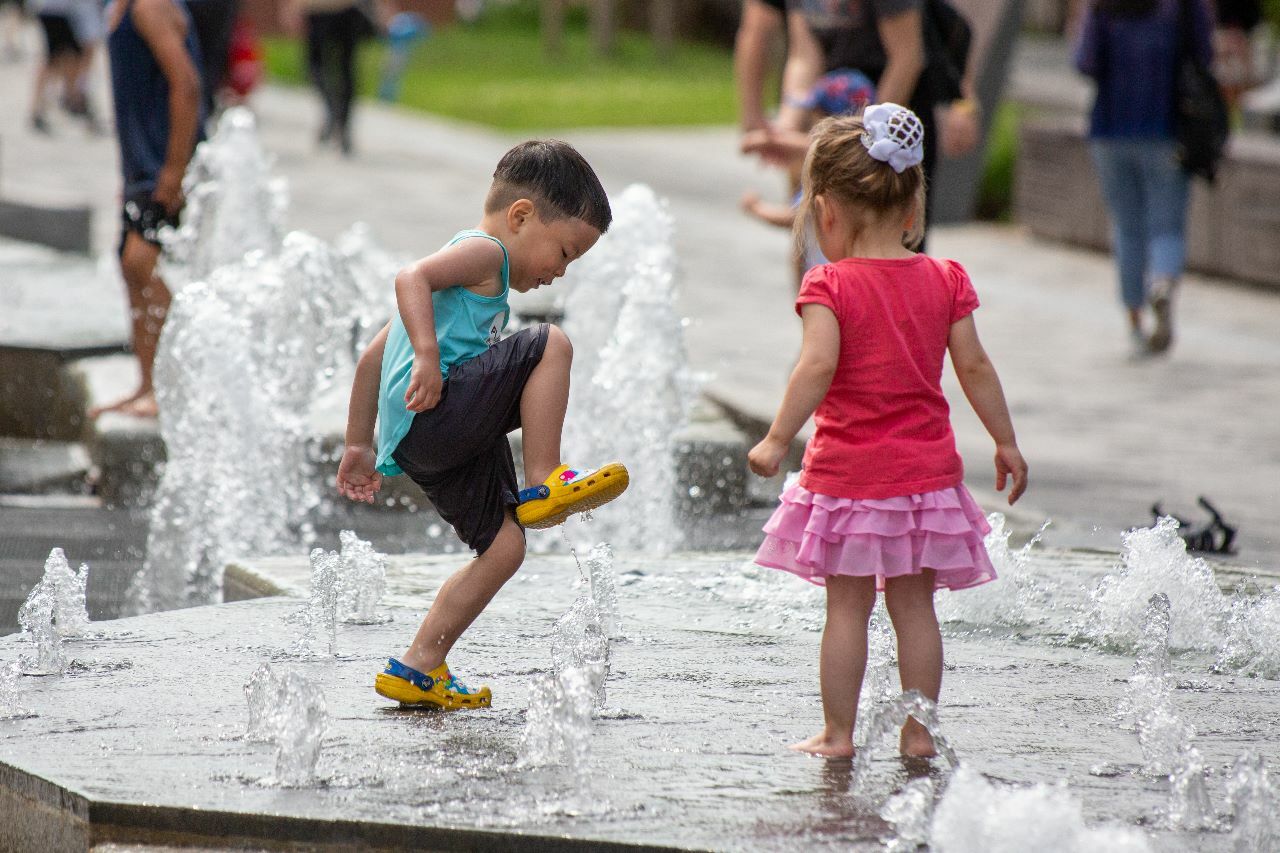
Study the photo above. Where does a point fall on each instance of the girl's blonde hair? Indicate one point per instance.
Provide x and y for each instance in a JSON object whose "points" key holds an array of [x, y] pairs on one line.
{"points": [[841, 169]]}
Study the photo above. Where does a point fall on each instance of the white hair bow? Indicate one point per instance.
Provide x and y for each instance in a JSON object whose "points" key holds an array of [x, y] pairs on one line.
{"points": [[893, 134]]}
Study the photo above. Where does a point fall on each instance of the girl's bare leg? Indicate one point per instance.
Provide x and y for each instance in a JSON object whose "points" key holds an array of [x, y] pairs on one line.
{"points": [[542, 408], [463, 596], [909, 600], [842, 663]]}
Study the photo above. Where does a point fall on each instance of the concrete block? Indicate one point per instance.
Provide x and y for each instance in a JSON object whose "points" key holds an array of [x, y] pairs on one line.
{"points": [[39, 398], [66, 228]]}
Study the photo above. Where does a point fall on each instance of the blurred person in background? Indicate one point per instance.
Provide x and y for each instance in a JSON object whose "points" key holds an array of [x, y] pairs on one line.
{"points": [[1233, 46], [1130, 49], [155, 84], [334, 29], [62, 59], [885, 40], [214, 21], [13, 14]]}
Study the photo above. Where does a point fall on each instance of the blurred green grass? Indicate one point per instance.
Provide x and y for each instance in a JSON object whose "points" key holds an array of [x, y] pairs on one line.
{"points": [[495, 72]]}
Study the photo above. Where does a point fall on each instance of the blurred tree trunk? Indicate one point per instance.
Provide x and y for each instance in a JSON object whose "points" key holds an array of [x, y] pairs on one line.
{"points": [[551, 21], [604, 25]]}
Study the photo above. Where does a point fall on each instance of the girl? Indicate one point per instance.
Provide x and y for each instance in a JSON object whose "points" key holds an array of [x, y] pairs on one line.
{"points": [[880, 503]]}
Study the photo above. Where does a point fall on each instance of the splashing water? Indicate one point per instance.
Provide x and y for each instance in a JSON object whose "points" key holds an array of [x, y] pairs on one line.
{"points": [[70, 613], [1189, 803], [563, 704], [891, 717], [242, 357], [623, 308], [1252, 646], [1155, 559], [1162, 735], [604, 590], [319, 616], [10, 708], [1016, 597], [975, 816], [878, 682], [53, 611], [909, 812], [1252, 801], [362, 581], [233, 204], [263, 691], [299, 730], [558, 722], [579, 642]]}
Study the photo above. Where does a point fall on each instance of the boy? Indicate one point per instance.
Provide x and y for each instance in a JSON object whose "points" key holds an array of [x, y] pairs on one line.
{"points": [[156, 90], [446, 391]]}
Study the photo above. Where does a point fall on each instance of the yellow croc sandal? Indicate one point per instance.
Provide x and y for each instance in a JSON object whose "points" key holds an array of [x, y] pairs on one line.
{"points": [[568, 491], [436, 688]]}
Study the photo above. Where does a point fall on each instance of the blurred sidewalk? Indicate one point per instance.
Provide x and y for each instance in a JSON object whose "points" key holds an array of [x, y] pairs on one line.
{"points": [[1106, 436]]}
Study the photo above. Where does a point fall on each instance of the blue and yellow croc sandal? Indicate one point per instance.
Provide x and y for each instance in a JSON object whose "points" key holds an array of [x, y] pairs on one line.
{"points": [[437, 688], [568, 491]]}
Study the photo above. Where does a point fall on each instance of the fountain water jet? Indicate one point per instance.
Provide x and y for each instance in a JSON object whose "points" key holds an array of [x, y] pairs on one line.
{"points": [[891, 717], [263, 691], [975, 816], [10, 709], [362, 581], [623, 307], [319, 617], [1252, 801], [909, 812], [54, 611], [299, 730]]}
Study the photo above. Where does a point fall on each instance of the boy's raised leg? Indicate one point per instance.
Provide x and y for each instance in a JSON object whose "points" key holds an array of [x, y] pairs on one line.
{"points": [[909, 600], [463, 596], [542, 407], [842, 663]]}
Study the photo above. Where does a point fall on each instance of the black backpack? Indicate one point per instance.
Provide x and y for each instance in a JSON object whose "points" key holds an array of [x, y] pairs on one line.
{"points": [[947, 36]]}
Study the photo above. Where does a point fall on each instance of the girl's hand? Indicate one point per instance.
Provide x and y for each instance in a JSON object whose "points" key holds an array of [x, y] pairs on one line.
{"points": [[765, 458], [425, 383], [358, 479], [1009, 461]]}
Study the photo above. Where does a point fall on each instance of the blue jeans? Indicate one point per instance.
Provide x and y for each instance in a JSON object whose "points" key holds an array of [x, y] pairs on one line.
{"points": [[1146, 193]]}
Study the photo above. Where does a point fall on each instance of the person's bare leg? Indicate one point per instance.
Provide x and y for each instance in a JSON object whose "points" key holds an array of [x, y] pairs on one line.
{"points": [[542, 407], [463, 596], [842, 663], [148, 305], [909, 600]]}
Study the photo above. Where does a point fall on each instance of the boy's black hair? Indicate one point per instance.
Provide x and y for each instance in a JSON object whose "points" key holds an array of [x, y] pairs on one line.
{"points": [[556, 178]]}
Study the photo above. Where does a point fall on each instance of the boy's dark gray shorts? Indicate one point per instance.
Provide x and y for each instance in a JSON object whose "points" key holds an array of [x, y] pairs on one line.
{"points": [[458, 452]]}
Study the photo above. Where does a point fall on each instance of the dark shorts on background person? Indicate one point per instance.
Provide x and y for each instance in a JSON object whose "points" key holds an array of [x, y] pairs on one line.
{"points": [[59, 37], [458, 452], [144, 216]]}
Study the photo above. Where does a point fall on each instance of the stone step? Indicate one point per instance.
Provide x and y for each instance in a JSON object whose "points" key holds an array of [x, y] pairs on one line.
{"points": [[126, 451], [34, 466]]}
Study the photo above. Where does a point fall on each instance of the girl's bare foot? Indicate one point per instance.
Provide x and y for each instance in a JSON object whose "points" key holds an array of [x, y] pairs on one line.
{"points": [[139, 405], [822, 744], [915, 741]]}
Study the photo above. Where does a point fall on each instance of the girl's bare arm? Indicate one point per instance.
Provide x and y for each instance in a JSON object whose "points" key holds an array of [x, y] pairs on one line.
{"points": [[981, 385]]}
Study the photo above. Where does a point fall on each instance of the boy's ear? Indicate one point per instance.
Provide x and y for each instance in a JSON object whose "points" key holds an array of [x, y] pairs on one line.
{"points": [[520, 211]]}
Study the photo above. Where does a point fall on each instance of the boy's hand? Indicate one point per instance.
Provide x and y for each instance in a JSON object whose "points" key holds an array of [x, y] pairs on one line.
{"points": [[358, 479], [425, 383], [766, 457], [1009, 461]]}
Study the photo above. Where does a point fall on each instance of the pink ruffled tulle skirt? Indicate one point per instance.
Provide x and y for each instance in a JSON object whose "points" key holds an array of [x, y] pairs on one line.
{"points": [[816, 536]]}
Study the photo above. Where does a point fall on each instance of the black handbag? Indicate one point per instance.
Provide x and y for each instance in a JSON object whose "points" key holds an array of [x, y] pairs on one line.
{"points": [[1201, 121], [946, 42]]}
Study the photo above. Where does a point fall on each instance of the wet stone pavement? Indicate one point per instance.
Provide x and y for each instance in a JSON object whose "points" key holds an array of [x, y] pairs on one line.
{"points": [[713, 674]]}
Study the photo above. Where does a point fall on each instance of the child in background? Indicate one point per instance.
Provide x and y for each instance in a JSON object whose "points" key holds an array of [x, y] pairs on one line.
{"points": [[842, 92], [446, 390], [880, 504]]}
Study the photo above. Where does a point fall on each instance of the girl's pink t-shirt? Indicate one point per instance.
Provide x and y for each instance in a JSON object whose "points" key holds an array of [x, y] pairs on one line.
{"points": [[884, 428]]}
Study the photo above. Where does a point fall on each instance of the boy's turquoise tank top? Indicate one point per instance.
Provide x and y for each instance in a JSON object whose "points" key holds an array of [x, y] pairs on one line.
{"points": [[466, 325]]}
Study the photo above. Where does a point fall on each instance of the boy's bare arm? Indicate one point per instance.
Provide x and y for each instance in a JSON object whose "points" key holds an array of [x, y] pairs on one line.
{"points": [[468, 263], [358, 478], [163, 28]]}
